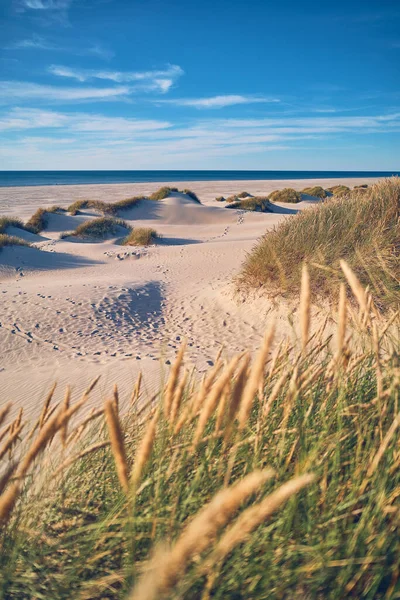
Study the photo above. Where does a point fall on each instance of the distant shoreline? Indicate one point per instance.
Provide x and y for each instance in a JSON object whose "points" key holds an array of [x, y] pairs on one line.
{"points": [[47, 178]]}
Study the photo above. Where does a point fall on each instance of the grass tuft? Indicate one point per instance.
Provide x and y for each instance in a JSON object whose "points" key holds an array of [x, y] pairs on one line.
{"points": [[191, 195], [99, 228], [141, 236], [317, 191], [6, 222], [220, 199], [285, 195], [11, 240], [162, 193], [257, 204], [339, 190], [361, 228]]}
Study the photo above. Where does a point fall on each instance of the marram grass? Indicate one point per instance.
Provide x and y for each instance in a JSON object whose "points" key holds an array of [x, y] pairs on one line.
{"points": [[276, 477]]}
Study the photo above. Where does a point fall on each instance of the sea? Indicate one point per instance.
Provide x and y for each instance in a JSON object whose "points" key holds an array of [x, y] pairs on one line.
{"points": [[27, 178]]}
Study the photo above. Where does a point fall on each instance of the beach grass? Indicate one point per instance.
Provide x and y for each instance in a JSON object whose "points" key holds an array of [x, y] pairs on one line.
{"points": [[255, 203], [11, 240], [163, 193], [220, 199], [99, 228], [317, 191], [6, 222], [141, 236], [361, 228], [286, 195], [339, 190], [276, 477]]}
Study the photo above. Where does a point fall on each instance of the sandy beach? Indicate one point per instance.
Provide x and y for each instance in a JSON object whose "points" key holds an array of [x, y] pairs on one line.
{"points": [[71, 310]]}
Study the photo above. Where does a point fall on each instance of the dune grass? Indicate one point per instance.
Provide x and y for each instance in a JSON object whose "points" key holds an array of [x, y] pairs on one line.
{"points": [[256, 203], [220, 199], [103, 207], [127, 203], [191, 195], [362, 229], [162, 193], [317, 191], [285, 195], [339, 190], [141, 236], [6, 222], [276, 478], [11, 240], [99, 228], [38, 221]]}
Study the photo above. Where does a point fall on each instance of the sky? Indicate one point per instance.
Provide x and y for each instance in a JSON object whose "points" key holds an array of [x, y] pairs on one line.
{"points": [[210, 84]]}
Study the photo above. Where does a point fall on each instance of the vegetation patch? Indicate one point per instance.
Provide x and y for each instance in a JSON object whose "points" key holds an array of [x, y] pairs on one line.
{"points": [[191, 195], [362, 229], [127, 203], [141, 236], [243, 195], [38, 221], [103, 207], [317, 191], [220, 199], [339, 190], [163, 193], [276, 478], [11, 240], [99, 228], [257, 204], [6, 222], [285, 195]]}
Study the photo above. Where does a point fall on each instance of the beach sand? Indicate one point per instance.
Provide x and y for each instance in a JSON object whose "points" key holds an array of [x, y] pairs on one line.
{"points": [[72, 310]]}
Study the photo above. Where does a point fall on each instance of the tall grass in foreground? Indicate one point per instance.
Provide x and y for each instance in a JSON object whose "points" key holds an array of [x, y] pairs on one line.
{"points": [[271, 478], [363, 228]]}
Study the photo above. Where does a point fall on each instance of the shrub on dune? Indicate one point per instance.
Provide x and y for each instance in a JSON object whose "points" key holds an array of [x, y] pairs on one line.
{"points": [[220, 199], [99, 228], [6, 222], [362, 186], [191, 195], [363, 229], [243, 195], [141, 236], [338, 190], [286, 195], [255, 204], [317, 191], [163, 193], [127, 203], [38, 221], [102, 207], [11, 240]]}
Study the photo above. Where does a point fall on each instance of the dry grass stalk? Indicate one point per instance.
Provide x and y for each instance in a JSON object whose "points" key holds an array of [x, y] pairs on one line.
{"points": [[8, 444], [177, 399], [4, 432], [77, 432], [4, 412], [255, 378], [274, 393], [221, 406], [172, 380], [356, 286], [211, 400], [117, 444], [5, 477], [7, 502], [342, 319], [136, 390], [254, 516], [65, 407], [197, 536], [382, 448], [236, 396], [145, 449], [116, 398], [305, 306], [46, 405]]}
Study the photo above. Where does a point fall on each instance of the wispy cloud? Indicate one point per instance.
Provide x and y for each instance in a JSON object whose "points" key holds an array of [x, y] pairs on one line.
{"points": [[159, 80], [44, 4], [37, 42], [219, 101], [20, 90]]}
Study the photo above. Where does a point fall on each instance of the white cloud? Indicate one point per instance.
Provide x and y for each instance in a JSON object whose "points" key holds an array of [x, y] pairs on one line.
{"points": [[20, 90], [45, 4], [220, 101], [155, 80], [37, 42]]}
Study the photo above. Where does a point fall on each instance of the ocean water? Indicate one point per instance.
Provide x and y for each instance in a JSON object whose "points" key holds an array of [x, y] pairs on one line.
{"points": [[24, 178]]}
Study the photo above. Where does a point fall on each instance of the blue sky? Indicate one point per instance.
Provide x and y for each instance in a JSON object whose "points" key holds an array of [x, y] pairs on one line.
{"points": [[216, 84]]}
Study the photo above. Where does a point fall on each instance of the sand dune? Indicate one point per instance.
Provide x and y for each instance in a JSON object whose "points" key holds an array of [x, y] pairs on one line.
{"points": [[70, 311]]}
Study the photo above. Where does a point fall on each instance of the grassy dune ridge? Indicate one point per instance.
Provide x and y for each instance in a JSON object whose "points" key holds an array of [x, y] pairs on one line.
{"points": [[361, 227], [274, 477]]}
